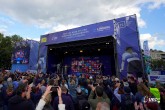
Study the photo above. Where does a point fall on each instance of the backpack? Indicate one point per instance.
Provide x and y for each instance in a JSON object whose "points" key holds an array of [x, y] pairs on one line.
{"points": [[127, 102], [84, 105]]}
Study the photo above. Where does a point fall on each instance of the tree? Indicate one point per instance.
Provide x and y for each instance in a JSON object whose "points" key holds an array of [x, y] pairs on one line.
{"points": [[158, 64], [7, 44]]}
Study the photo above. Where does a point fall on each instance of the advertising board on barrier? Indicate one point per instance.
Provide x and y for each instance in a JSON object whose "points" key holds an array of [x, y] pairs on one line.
{"points": [[155, 73], [153, 78]]}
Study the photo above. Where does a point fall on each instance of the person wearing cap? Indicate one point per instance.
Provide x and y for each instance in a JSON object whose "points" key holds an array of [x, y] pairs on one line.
{"points": [[100, 96]]}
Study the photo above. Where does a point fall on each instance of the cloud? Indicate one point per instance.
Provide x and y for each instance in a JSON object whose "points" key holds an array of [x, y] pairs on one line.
{"points": [[156, 4], [61, 27], [153, 41], [4, 23], [33, 38], [51, 13], [3, 30]]}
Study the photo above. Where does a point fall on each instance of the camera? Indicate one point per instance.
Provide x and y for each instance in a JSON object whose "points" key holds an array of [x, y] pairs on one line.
{"points": [[95, 84], [54, 88]]}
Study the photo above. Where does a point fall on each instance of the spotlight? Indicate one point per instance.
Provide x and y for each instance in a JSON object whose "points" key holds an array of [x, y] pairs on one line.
{"points": [[66, 52], [107, 43], [81, 51], [98, 49]]}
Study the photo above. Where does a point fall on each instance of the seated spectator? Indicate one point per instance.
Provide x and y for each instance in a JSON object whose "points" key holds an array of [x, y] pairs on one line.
{"points": [[100, 96], [21, 101]]}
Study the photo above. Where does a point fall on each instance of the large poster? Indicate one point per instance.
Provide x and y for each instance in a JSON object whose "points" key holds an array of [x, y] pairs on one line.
{"points": [[128, 47], [21, 53], [89, 64]]}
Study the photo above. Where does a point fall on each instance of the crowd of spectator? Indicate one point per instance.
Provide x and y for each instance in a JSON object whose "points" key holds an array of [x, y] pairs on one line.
{"points": [[28, 91]]}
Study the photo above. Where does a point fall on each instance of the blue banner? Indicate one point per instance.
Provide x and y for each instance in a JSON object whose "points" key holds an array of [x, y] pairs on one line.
{"points": [[128, 46], [97, 30]]}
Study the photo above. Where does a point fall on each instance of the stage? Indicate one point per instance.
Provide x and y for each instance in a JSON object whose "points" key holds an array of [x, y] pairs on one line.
{"points": [[85, 56], [84, 49]]}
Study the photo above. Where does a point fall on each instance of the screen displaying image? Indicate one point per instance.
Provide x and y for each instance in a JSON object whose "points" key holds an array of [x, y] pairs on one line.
{"points": [[21, 54], [85, 65]]}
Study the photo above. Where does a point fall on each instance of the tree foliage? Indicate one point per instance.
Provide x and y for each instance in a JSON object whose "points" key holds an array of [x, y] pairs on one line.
{"points": [[7, 44], [158, 64]]}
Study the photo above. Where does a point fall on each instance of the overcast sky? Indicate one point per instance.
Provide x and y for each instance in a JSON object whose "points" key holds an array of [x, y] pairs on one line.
{"points": [[32, 18]]}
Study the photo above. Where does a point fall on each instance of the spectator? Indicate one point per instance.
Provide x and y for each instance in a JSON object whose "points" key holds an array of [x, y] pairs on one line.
{"points": [[141, 102], [44, 103], [73, 83], [132, 85], [67, 100], [21, 101], [1, 94], [100, 96], [102, 106]]}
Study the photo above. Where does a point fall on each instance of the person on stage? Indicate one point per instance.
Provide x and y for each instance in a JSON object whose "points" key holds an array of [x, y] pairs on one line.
{"points": [[58, 68], [65, 69], [101, 68]]}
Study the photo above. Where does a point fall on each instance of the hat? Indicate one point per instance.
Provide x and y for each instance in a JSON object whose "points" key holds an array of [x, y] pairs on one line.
{"points": [[116, 79], [90, 77], [9, 79], [127, 90], [78, 90]]}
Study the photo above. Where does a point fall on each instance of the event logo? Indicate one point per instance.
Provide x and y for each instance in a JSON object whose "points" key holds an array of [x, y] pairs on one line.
{"points": [[122, 24], [103, 28], [44, 39], [147, 99]]}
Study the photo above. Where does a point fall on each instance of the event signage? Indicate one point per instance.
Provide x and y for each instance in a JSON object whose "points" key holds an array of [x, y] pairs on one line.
{"points": [[155, 73], [97, 30], [126, 37], [146, 48], [154, 78]]}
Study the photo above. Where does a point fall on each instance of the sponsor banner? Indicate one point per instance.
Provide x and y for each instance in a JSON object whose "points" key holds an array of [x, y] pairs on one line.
{"points": [[102, 29], [153, 78], [146, 48], [128, 47], [155, 73]]}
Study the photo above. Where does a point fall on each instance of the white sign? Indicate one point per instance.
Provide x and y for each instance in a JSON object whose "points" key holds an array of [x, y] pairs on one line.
{"points": [[155, 73], [146, 48], [153, 78]]}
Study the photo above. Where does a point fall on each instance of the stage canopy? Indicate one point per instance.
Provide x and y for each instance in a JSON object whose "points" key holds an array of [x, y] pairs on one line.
{"points": [[124, 30]]}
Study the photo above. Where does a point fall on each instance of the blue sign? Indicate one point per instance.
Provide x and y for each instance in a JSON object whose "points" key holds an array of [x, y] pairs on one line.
{"points": [[97, 30]]}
